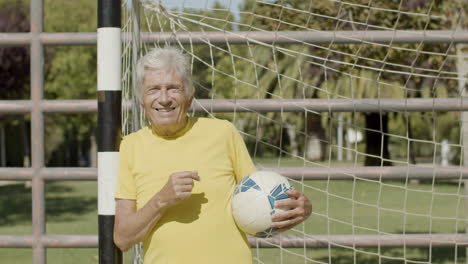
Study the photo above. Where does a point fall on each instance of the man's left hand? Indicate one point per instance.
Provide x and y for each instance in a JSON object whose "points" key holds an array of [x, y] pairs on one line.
{"points": [[298, 209]]}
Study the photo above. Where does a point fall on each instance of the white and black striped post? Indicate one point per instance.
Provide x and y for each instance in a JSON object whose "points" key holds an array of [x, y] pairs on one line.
{"points": [[109, 97]]}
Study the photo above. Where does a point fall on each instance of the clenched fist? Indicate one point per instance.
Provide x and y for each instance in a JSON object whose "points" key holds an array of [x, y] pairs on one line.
{"points": [[178, 187]]}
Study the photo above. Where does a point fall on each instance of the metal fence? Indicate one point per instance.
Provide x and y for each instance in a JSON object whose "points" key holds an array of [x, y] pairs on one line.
{"points": [[39, 240]]}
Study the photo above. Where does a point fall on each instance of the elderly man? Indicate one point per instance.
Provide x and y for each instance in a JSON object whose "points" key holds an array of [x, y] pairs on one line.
{"points": [[176, 176]]}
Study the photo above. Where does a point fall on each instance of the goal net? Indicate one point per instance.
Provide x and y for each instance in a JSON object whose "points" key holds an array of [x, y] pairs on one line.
{"points": [[359, 102]]}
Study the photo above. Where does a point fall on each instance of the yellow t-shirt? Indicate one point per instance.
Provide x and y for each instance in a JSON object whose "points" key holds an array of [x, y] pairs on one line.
{"points": [[200, 229]]}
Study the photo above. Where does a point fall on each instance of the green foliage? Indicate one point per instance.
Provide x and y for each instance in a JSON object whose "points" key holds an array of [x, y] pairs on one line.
{"points": [[15, 83], [70, 73], [70, 16], [355, 71], [14, 61]]}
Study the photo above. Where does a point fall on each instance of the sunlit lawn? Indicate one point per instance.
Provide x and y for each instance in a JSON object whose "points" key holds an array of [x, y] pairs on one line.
{"points": [[363, 207], [340, 207], [71, 208]]}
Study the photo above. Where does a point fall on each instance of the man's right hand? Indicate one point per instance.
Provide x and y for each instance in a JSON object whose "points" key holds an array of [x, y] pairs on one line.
{"points": [[132, 225], [178, 187]]}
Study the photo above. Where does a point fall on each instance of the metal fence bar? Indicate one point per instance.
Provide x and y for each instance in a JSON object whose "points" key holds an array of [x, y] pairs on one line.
{"points": [[37, 132], [16, 174], [262, 105], [72, 106], [244, 37], [296, 173], [285, 241], [68, 241], [50, 174], [15, 39], [52, 241], [16, 241]]}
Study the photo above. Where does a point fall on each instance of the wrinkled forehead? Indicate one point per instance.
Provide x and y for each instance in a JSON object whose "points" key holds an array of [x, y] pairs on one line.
{"points": [[162, 77]]}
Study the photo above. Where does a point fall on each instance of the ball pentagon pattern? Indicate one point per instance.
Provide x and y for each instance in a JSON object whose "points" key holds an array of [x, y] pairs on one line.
{"points": [[253, 202]]}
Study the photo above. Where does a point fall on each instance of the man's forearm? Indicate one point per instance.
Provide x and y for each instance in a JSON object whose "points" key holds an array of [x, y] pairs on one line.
{"points": [[132, 228]]}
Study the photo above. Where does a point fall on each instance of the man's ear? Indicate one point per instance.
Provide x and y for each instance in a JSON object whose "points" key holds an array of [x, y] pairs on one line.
{"points": [[190, 102], [141, 99]]}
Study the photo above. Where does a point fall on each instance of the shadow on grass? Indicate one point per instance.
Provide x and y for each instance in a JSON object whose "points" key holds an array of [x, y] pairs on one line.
{"points": [[62, 203]]}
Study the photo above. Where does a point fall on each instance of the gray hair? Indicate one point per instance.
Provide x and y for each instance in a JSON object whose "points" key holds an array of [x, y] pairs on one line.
{"points": [[167, 58]]}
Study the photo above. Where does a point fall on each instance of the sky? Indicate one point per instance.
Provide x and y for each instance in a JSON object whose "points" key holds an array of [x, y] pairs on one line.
{"points": [[232, 5]]}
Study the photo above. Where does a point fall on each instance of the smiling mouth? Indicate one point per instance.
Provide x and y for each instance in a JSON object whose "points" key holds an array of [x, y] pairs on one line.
{"points": [[164, 110]]}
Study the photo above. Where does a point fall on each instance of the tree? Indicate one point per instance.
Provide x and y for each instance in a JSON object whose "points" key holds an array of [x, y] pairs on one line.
{"points": [[376, 64], [14, 77], [70, 74], [14, 61]]}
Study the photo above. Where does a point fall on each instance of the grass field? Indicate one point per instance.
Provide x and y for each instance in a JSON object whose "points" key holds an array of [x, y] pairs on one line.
{"points": [[71, 208], [340, 207]]}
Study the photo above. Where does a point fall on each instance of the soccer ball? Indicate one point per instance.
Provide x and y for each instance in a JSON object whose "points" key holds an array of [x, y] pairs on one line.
{"points": [[253, 202]]}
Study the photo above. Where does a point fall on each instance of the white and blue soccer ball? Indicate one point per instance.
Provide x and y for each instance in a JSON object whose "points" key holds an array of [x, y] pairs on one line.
{"points": [[253, 202]]}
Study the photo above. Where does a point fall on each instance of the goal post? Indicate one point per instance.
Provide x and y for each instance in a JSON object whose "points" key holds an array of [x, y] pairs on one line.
{"points": [[109, 97]]}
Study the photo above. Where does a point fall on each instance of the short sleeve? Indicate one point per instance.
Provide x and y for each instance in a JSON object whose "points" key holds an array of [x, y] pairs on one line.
{"points": [[242, 163], [125, 183]]}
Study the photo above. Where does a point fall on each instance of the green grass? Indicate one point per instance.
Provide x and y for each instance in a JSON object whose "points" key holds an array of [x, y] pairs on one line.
{"points": [[340, 207], [365, 207], [360, 256], [71, 208]]}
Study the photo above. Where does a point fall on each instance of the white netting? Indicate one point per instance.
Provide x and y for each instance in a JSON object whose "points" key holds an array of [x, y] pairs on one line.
{"points": [[380, 70]]}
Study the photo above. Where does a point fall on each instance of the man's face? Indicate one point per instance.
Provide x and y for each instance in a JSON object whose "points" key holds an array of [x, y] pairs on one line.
{"points": [[165, 100]]}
